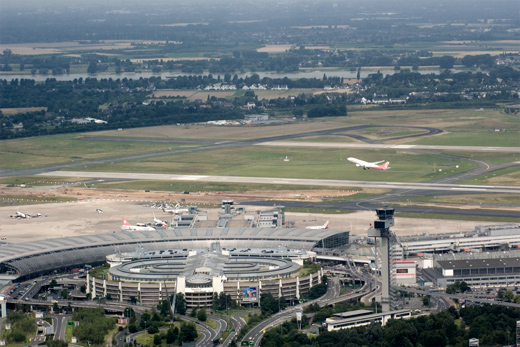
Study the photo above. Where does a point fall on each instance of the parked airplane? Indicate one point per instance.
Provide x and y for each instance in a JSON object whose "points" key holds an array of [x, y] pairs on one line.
{"points": [[158, 222], [176, 210], [126, 226], [367, 165], [324, 226], [25, 215]]}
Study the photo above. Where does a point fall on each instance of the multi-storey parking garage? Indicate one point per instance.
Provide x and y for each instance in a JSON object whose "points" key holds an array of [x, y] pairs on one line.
{"points": [[198, 273]]}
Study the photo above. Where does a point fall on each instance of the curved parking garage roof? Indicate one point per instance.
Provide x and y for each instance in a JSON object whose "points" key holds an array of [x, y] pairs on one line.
{"points": [[238, 266], [33, 257]]}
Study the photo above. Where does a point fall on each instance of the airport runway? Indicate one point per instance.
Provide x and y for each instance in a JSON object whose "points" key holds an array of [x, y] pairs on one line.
{"points": [[389, 146], [289, 181]]}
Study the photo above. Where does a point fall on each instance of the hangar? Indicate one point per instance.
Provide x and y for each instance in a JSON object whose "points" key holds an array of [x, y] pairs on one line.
{"points": [[487, 269]]}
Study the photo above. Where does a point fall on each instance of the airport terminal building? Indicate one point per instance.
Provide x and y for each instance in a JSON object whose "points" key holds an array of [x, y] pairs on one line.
{"points": [[194, 261]]}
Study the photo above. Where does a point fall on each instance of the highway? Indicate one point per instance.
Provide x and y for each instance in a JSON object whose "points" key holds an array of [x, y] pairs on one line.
{"points": [[331, 297]]}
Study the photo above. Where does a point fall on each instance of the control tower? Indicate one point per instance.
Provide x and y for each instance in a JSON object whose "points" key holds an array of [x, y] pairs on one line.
{"points": [[381, 230]]}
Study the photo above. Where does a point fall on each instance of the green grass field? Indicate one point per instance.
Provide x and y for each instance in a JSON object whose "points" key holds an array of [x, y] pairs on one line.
{"points": [[315, 163], [38, 180], [177, 186], [59, 149], [459, 217], [506, 177], [467, 199], [486, 138]]}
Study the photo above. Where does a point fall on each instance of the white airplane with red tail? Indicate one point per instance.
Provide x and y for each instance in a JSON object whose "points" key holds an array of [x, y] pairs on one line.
{"points": [[127, 227], [366, 165], [324, 226]]}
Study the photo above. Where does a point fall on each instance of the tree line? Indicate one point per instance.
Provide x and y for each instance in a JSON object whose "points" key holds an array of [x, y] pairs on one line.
{"points": [[493, 325]]}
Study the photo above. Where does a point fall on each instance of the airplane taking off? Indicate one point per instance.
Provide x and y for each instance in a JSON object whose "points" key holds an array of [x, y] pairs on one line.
{"points": [[367, 165], [324, 226], [126, 226], [176, 210], [25, 215], [158, 222]]}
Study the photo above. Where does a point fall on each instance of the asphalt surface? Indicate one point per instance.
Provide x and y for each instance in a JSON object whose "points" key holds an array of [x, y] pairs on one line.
{"points": [[398, 190]]}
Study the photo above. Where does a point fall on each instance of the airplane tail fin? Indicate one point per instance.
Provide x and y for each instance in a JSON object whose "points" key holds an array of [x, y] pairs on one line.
{"points": [[385, 166], [326, 225], [125, 222]]}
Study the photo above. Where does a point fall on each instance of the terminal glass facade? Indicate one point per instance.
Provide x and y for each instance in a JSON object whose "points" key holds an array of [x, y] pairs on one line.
{"points": [[334, 241]]}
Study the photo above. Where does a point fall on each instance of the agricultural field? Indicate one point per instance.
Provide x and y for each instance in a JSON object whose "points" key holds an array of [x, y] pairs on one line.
{"points": [[12, 111], [274, 48]]}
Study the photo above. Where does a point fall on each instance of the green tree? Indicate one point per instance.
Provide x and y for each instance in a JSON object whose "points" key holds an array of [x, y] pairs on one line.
{"points": [[426, 300], [180, 304], [153, 328], [157, 339], [508, 295], [164, 308], [146, 320], [172, 334], [317, 291], [201, 315], [56, 343], [188, 332], [446, 62], [92, 67], [93, 325], [269, 304], [193, 312], [398, 333]]}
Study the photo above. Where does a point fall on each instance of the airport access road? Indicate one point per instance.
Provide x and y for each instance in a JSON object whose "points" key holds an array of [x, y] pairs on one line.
{"points": [[460, 297], [257, 332]]}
